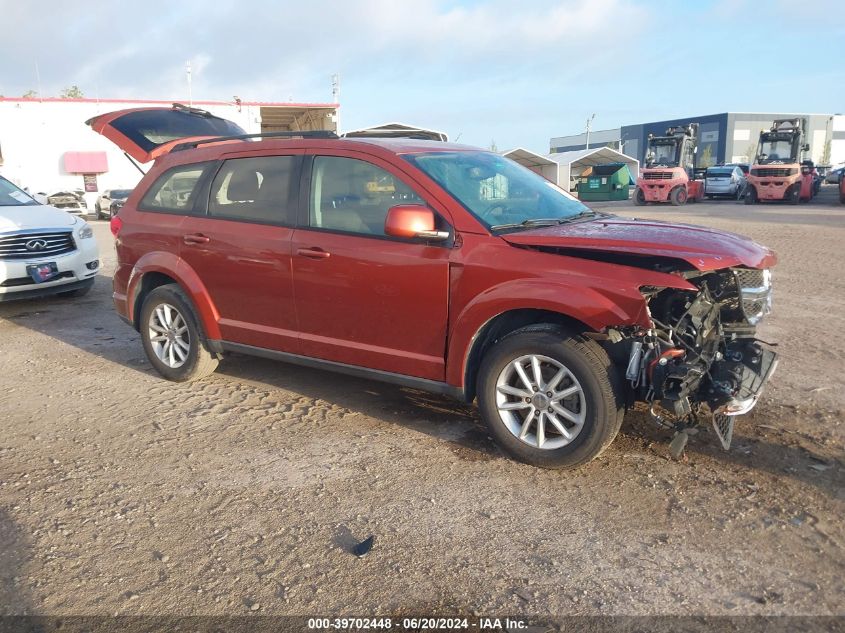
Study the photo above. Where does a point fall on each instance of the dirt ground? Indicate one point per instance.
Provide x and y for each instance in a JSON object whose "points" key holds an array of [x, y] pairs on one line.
{"points": [[122, 493]]}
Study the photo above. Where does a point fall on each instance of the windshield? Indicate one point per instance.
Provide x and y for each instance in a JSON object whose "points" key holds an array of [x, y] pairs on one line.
{"points": [[776, 150], [119, 194], [497, 191], [663, 154], [11, 196], [719, 173]]}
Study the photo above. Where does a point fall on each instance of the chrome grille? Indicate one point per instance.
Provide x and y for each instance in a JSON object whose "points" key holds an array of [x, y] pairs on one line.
{"points": [[36, 245], [657, 175], [755, 291]]}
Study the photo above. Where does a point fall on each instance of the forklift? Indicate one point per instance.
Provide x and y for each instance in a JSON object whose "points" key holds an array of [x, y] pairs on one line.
{"points": [[668, 175], [778, 172]]}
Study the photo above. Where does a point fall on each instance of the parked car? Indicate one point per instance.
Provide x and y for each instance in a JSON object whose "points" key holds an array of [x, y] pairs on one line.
{"points": [[43, 250], [109, 202], [70, 201], [842, 190], [834, 176], [745, 167], [724, 181], [438, 267]]}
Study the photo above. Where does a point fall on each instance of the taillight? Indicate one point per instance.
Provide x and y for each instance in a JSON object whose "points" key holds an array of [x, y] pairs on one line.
{"points": [[115, 224]]}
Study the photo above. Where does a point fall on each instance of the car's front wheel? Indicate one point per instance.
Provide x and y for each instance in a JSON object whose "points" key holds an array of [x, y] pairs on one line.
{"points": [[172, 336], [550, 399]]}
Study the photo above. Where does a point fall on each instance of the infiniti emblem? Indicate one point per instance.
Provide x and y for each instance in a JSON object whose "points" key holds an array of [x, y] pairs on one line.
{"points": [[36, 245]]}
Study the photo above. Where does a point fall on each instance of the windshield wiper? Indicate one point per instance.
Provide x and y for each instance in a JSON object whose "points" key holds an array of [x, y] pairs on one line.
{"points": [[583, 214], [544, 221], [529, 222]]}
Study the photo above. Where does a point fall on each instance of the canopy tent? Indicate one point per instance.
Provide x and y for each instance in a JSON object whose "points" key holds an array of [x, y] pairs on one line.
{"points": [[391, 130], [548, 169], [571, 165]]}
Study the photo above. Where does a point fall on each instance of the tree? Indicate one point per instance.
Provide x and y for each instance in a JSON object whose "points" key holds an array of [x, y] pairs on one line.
{"points": [[826, 154], [707, 156], [751, 153], [74, 92], [30, 94]]}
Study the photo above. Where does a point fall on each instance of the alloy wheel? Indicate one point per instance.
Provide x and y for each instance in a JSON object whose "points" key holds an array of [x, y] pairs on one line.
{"points": [[540, 401], [170, 338]]}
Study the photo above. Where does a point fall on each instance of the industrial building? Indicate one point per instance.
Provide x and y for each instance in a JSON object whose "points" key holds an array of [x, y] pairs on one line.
{"points": [[46, 147], [729, 137]]}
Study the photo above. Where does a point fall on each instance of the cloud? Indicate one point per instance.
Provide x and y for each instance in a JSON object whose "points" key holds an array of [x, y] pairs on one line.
{"points": [[269, 50]]}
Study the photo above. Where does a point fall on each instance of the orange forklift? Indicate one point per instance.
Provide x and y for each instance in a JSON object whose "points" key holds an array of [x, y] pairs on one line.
{"points": [[778, 172], [668, 175]]}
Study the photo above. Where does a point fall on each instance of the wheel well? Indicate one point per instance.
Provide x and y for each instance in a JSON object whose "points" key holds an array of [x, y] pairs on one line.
{"points": [[149, 282], [502, 325]]}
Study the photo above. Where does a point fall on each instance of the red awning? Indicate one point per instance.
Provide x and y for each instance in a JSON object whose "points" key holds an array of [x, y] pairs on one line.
{"points": [[86, 162]]}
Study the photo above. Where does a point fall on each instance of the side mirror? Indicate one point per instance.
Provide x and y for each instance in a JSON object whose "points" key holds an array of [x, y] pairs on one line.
{"points": [[806, 147], [414, 221]]}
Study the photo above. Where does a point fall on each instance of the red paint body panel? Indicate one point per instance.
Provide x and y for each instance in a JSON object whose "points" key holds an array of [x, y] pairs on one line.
{"points": [[389, 304], [703, 248], [377, 303]]}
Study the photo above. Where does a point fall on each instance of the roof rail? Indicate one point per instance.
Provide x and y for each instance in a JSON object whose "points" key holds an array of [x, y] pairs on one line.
{"points": [[243, 137]]}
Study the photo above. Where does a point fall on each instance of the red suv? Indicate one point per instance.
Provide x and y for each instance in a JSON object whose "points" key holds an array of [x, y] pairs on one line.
{"points": [[435, 266]]}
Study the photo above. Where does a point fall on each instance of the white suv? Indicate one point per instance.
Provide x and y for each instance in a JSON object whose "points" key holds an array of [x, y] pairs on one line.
{"points": [[43, 250]]}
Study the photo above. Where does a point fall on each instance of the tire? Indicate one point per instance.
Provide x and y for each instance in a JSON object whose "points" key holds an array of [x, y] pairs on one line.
{"points": [[639, 197], [750, 195], [78, 292], [198, 361], [794, 194], [678, 196], [598, 404]]}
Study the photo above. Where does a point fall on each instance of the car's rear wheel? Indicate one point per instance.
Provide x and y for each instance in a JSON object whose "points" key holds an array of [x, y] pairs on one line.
{"points": [[639, 197], [550, 399], [172, 336]]}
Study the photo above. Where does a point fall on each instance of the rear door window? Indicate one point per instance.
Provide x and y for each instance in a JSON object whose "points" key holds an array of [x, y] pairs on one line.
{"points": [[175, 191], [256, 190], [721, 173]]}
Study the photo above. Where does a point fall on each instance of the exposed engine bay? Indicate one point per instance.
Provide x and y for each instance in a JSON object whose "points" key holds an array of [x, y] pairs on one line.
{"points": [[702, 359]]}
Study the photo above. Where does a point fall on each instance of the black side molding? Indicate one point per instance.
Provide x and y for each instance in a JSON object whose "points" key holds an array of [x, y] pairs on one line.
{"points": [[423, 384]]}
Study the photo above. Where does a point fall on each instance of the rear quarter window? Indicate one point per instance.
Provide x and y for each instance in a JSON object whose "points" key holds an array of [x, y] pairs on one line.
{"points": [[176, 190]]}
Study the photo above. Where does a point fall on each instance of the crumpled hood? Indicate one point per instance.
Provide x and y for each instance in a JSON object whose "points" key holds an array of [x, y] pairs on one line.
{"points": [[703, 248], [33, 217]]}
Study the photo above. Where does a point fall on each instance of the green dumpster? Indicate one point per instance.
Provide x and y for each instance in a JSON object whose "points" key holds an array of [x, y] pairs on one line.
{"points": [[605, 182]]}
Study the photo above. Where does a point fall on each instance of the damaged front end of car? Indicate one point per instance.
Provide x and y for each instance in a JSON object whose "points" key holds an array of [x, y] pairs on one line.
{"points": [[701, 359]]}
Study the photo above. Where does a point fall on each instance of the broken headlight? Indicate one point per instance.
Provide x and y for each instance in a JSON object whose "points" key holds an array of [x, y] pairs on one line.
{"points": [[755, 293]]}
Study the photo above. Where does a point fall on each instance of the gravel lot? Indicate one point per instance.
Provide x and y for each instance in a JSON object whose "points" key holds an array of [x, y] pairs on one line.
{"points": [[121, 493]]}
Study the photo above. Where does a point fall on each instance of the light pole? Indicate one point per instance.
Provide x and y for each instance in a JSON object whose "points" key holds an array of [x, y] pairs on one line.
{"points": [[589, 121], [190, 89]]}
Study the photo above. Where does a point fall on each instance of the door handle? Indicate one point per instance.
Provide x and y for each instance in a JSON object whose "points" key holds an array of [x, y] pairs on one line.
{"points": [[196, 238], [313, 253]]}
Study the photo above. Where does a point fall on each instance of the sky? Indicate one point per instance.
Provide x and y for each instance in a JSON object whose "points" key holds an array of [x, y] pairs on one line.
{"points": [[509, 73]]}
